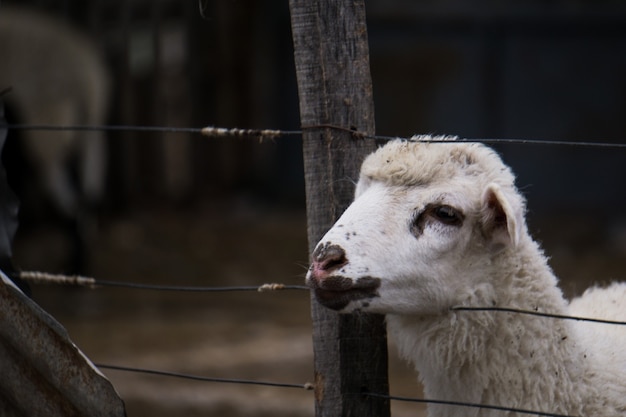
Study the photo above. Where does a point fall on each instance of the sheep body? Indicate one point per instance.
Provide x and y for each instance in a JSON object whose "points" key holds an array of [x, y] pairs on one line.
{"points": [[434, 226], [602, 342], [57, 77]]}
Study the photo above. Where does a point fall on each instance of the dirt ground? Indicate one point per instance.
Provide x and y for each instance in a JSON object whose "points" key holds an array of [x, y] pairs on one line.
{"points": [[258, 336]]}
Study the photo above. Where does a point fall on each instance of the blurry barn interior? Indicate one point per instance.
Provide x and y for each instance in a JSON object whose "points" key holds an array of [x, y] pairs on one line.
{"points": [[183, 209]]}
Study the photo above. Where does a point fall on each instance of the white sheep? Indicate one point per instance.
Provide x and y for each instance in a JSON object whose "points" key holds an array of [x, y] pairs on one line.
{"points": [[57, 77], [441, 225]]}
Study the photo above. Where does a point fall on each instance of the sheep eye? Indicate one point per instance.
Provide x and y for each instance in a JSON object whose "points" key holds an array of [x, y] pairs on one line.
{"points": [[447, 215], [443, 214]]}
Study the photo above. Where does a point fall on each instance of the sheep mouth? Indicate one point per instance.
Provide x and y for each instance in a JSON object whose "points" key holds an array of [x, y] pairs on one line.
{"points": [[337, 292]]}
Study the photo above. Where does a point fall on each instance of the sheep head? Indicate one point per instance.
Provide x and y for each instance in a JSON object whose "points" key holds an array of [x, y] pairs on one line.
{"points": [[427, 222]]}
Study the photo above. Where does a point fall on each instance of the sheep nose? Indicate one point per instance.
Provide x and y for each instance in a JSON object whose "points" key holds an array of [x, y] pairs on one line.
{"points": [[326, 259]]}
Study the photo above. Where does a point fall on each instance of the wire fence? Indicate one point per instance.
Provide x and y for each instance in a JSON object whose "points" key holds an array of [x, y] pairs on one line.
{"points": [[309, 387], [92, 283], [270, 134], [306, 386], [36, 277]]}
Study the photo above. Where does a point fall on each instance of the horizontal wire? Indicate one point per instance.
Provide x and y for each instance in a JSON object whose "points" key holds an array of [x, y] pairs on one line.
{"points": [[258, 288], [307, 386], [104, 128], [464, 404], [512, 141], [584, 144], [209, 131], [538, 313], [36, 277], [77, 280], [218, 132]]}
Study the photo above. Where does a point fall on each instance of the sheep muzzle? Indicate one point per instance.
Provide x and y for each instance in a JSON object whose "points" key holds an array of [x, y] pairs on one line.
{"points": [[336, 292]]}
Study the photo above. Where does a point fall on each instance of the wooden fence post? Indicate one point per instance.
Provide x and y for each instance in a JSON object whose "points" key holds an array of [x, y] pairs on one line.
{"points": [[335, 89]]}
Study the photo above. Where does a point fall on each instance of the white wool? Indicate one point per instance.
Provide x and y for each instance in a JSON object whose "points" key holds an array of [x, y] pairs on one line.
{"points": [[427, 263]]}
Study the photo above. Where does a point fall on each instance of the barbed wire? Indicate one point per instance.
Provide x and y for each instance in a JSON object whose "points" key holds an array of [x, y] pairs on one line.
{"points": [[263, 134], [36, 277]]}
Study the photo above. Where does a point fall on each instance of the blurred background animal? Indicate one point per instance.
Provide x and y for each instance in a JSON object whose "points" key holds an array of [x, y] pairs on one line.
{"points": [[56, 77]]}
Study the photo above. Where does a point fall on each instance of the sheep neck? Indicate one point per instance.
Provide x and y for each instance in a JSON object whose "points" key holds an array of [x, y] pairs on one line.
{"points": [[498, 358]]}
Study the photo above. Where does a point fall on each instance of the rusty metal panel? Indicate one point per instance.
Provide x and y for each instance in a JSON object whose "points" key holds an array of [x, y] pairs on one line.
{"points": [[42, 373]]}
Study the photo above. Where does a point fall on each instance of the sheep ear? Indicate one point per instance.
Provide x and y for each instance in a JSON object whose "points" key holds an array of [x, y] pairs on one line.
{"points": [[500, 223]]}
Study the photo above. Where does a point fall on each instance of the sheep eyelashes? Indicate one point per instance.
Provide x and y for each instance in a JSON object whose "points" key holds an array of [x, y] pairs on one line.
{"points": [[441, 225]]}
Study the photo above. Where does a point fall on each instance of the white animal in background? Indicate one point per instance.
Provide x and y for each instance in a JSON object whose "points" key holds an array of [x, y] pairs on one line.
{"points": [[56, 77], [441, 225]]}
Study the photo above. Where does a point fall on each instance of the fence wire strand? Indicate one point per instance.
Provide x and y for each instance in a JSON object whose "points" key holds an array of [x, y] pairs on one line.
{"points": [[539, 314], [309, 386], [306, 386], [36, 277], [469, 405], [263, 134]]}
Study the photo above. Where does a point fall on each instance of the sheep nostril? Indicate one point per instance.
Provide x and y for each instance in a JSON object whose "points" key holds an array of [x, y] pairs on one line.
{"points": [[328, 258], [334, 263]]}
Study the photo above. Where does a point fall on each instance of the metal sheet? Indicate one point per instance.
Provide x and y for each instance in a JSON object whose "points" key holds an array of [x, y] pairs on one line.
{"points": [[42, 373]]}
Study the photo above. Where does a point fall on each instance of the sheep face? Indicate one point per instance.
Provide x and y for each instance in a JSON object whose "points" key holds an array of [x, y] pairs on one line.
{"points": [[414, 247]]}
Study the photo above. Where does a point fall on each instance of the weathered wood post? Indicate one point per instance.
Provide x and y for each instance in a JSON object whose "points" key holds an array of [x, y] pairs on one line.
{"points": [[335, 89]]}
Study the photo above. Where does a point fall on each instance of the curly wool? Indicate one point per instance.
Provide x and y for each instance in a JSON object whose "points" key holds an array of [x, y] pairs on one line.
{"points": [[534, 363]]}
